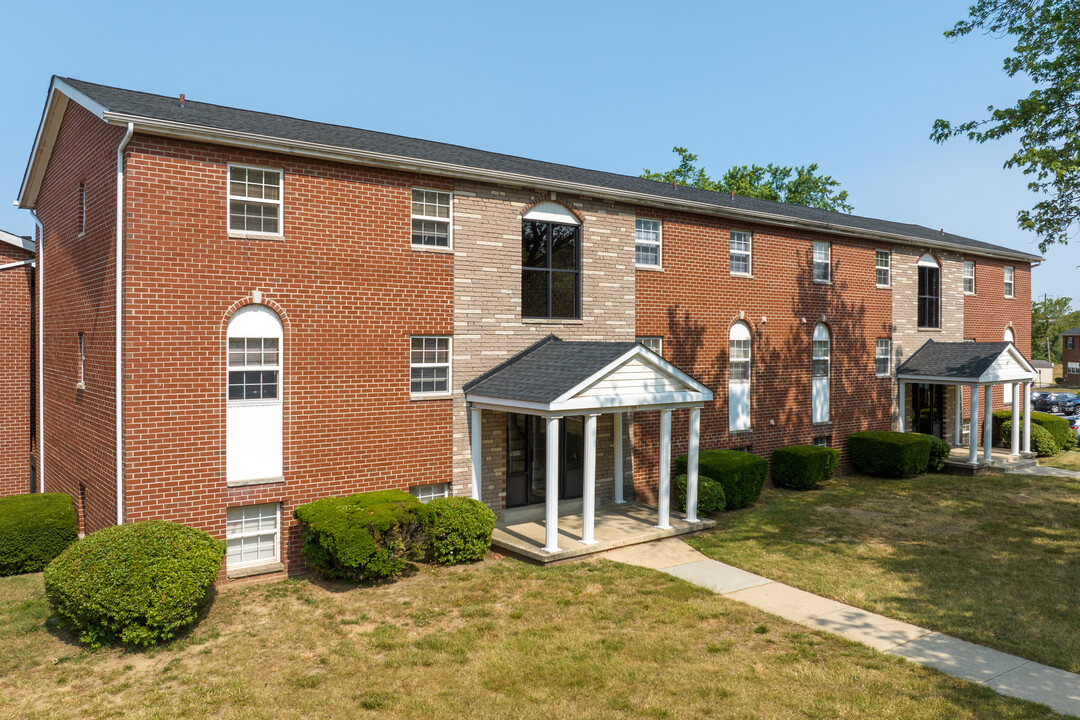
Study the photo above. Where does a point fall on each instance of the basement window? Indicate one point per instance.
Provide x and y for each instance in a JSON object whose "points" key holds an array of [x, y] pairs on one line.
{"points": [[252, 535], [427, 493], [254, 200]]}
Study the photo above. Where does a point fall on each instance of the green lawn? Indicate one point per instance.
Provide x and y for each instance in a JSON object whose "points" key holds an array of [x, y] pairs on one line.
{"points": [[1067, 460], [499, 639], [994, 559]]}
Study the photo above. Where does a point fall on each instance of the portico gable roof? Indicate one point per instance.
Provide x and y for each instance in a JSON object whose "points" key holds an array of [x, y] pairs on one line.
{"points": [[557, 377], [966, 363]]}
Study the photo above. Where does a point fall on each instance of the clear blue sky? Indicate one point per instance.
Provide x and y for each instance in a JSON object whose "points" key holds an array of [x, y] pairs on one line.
{"points": [[853, 86]]}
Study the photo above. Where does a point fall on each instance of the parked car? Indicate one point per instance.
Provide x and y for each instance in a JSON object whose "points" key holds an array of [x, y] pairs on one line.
{"points": [[1035, 395], [1074, 423], [1066, 403]]}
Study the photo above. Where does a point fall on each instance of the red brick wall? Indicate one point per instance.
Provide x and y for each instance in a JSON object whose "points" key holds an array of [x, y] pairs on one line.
{"points": [[79, 282], [16, 306], [350, 292], [1067, 356], [694, 301]]}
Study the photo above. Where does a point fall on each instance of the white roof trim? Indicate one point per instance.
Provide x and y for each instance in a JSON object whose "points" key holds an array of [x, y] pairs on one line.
{"points": [[989, 377], [649, 358], [18, 241], [549, 211]]}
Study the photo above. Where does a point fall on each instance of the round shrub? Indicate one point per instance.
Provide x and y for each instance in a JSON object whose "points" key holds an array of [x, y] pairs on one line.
{"points": [[889, 454], [1058, 427], [1042, 442], [710, 495], [741, 474], [939, 453], [34, 529], [136, 584], [458, 530], [362, 537], [802, 467]]}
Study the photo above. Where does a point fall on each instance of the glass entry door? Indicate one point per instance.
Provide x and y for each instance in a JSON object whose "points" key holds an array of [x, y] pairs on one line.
{"points": [[928, 404], [526, 459]]}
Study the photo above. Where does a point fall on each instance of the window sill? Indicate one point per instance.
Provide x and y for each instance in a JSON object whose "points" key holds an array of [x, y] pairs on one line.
{"points": [[254, 236], [431, 396], [553, 321], [823, 424], [432, 249], [883, 287], [254, 481], [252, 570], [1010, 297], [823, 282], [969, 293], [650, 268], [742, 275], [928, 329], [741, 433], [884, 377]]}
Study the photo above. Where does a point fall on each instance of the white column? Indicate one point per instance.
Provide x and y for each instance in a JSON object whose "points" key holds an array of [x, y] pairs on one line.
{"points": [[475, 441], [902, 407], [617, 418], [1014, 446], [959, 416], [988, 423], [551, 489], [664, 502], [1027, 417], [973, 427], [588, 491], [691, 465]]}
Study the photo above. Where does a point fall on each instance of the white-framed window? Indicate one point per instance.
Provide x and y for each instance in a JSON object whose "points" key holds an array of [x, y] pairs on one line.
{"points": [[429, 365], [648, 242], [255, 200], [969, 277], [1074, 368], [969, 339], [653, 342], [882, 268], [1069, 343], [820, 374], [822, 261], [431, 218], [883, 357], [822, 441], [1009, 286], [740, 253], [427, 493], [252, 535], [965, 432], [254, 368], [254, 445], [739, 377]]}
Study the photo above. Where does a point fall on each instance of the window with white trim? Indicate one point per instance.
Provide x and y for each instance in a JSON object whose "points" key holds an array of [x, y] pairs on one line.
{"points": [[431, 217], [882, 268], [254, 368], [254, 200], [254, 389], [740, 253], [252, 535], [822, 261], [648, 240], [969, 277], [929, 292], [883, 357], [427, 493], [1009, 286], [821, 441], [1074, 368], [820, 374], [739, 377], [654, 343], [1069, 343], [429, 365]]}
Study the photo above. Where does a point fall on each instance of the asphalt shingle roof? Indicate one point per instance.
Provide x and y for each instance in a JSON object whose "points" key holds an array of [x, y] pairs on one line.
{"points": [[1074, 331], [160, 107], [952, 359], [545, 371]]}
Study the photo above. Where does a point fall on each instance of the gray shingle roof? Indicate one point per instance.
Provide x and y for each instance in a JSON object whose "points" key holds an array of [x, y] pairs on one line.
{"points": [[159, 107], [958, 360], [545, 371], [1074, 331], [1041, 364]]}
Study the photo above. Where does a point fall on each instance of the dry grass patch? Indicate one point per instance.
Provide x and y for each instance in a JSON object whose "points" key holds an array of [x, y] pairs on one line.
{"points": [[1067, 460], [499, 639]]}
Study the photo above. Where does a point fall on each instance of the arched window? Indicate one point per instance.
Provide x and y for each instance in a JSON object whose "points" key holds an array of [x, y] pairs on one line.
{"points": [[1008, 387], [550, 262], [739, 377], [820, 379], [253, 446], [929, 292]]}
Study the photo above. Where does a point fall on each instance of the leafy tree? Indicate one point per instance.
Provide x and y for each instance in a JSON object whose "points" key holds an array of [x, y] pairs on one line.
{"points": [[1050, 317], [1047, 50], [799, 185]]}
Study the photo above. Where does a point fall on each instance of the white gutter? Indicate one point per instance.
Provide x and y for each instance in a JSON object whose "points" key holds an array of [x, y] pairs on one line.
{"points": [[9, 266], [41, 349], [168, 128], [120, 323]]}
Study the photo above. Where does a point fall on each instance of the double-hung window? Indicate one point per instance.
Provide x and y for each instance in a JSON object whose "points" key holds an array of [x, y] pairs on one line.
{"points": [[252, 535], [254, 365], [883, 357], [648, 236], [429, 366], [654, 343], [1074, 368], [822, 261], [1009, 286], [740, 253], [739, 377], [969, 277], [820, 372], [254, 200], [1068, 343], [430, 218], [929, 293], [882, 267]]}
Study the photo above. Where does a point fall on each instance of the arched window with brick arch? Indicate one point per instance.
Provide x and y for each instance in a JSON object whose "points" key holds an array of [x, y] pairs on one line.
{"points": [[253, 445], [739, 377]]}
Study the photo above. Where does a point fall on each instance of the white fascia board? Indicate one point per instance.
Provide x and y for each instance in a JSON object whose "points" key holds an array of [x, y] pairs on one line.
{"points": [[18, 241], [649, 358], [645, 401], [1015, 353], [236, 138]]}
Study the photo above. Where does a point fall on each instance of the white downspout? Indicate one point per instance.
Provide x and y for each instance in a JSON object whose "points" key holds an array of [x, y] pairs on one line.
{"points": [[120, 323], [39, 250]]}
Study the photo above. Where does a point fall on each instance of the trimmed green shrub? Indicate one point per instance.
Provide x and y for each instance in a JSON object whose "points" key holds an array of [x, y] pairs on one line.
{"points": [[939, 453], [362, 537], [888, 453], [710, 494], [34, 529], [1042, 442], [458, 530], [802, 467], [136, 584], [1058, 427], [741, 474]]}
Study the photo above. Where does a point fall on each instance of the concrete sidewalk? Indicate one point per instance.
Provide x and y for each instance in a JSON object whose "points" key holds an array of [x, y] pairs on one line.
{"points": [[1007, 674]]}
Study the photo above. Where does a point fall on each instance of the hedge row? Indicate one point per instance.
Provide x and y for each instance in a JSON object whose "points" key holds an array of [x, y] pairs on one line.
{"points": [[802, 467], [741, 474], [710, 497], [1058, 428], [34, 529]]}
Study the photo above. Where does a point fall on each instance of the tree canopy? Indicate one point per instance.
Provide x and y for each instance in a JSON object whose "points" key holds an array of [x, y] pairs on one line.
{"points": [[799, 185], [1050, 317], [1047, 50]]}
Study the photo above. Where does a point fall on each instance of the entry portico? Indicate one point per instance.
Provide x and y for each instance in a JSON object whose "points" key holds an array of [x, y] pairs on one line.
{"points": [[975, 365], [556, 380]]}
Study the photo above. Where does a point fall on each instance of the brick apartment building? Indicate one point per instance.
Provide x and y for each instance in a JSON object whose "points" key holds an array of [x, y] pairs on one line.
{"points": [[16, 362], [1070, 357], [308, 310]]}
